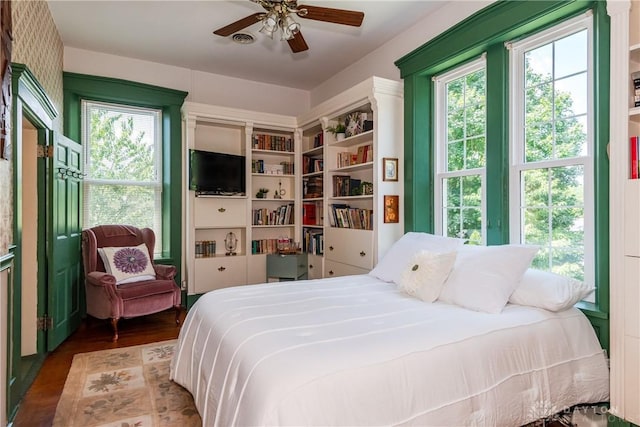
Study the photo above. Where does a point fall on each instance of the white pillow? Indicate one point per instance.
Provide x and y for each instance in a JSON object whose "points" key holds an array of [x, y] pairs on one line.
{"points": [[128, 264], [392, 264], [548, 290], [425, 273], [483, 277]]}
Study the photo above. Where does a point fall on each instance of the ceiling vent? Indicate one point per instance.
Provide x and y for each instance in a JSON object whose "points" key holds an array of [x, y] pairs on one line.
{"points": [[243, 38]]}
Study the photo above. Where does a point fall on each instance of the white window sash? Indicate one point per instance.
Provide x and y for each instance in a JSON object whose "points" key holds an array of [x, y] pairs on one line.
{"points": [[441, 150]]}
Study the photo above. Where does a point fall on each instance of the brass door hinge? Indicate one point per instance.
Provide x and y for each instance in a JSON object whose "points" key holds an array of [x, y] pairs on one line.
{"points": [[45, 323], [45, 151]]}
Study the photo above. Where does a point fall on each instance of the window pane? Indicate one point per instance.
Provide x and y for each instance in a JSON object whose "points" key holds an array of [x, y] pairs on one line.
{"points": [[571, 96], [567, 186], [455, 95], [475, 121], [538, 142], [452, 219], [471, 190], [571, 54], [471, 225], [535, 226], [568, 261], [571, 137], [539, 62], [455, 126], [541, 261], [455, 156], [451, 192], [535, 188], [475, 153], [474, 91], [121, 145], [120, 204], [539, 104]]}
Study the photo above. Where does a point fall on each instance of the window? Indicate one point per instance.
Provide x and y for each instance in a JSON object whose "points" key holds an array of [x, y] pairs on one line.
{"points": [[123, 162], [551, 176], [460, 152]]}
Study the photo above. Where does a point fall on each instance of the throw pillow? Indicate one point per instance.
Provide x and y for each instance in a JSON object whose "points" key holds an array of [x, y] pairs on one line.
{"points": [[548, 290], [425, 274], [390, 267], [483, 277], [128, 264]]}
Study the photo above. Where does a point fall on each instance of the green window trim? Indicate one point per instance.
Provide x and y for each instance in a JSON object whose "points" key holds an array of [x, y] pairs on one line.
{"points": [[487, 31], [95, 88]]}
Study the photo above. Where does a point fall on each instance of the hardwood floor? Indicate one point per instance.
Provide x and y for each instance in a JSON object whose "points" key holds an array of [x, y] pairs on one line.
{"points": [[38, 407]]}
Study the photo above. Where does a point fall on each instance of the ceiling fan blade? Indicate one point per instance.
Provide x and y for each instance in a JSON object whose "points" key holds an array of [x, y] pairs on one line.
{"points": [[337, 16], [297, 43], [238, 25]]}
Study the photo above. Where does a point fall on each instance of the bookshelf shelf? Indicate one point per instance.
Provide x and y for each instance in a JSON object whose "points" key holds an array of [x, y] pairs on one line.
{"points": [[273, 175], [306, 175], [317, 151], [353, 168], [634, 114], [354, 140], [272, 152], [274, 226], [365, 197]]}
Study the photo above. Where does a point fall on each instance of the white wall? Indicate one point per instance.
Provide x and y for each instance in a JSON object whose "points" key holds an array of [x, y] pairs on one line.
{"points": [[380, 62], [203, 87]]}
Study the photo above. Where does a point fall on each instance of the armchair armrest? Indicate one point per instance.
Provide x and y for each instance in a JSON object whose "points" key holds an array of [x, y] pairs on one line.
{"points": [[165, 272], [100, 278]]}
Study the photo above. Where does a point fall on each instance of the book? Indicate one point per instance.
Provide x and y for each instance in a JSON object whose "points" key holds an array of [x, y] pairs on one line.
{"points": [[633, 156], [635, 78]]}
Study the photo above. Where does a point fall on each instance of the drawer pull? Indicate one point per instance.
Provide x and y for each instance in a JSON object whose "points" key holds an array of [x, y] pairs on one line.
{"points": [[330, 248], [330, 272], [362, 253], [310, 265], [221, 210], [221, 268]]}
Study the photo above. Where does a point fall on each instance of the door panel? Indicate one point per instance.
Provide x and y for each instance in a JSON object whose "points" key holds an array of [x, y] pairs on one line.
{"points": [[64, 238]]}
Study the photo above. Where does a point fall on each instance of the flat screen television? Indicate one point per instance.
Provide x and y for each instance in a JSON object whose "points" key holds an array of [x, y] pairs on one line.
{"points": [[213, 173]]}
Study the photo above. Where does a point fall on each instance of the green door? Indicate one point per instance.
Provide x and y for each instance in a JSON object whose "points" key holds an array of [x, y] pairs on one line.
{"points": [[64, 232]]}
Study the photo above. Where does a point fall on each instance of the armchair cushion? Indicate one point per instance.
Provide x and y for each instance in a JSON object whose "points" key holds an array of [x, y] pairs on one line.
{"points": [[128, 264]]}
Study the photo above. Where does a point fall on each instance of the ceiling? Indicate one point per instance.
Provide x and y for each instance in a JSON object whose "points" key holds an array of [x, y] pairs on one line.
{"points": [[180, 33]]}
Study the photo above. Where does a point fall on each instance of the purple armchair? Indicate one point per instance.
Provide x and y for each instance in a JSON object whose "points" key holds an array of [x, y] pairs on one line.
{"points": [[105, 299]]}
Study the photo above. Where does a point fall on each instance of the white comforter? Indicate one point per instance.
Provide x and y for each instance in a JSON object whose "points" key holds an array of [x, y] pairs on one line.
{"points": [[356, 351]]}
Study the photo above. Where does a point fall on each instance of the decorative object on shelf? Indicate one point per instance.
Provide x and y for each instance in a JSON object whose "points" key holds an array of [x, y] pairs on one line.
{"points": [[366, 188], [389, 169], [391, 209], [357, 122], [338, 130], [280, 16], [262, 193], [279, 192], [230, 243]]}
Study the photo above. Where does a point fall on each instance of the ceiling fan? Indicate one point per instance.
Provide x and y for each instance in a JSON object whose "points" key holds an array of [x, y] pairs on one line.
{"points": [[279, 15]]}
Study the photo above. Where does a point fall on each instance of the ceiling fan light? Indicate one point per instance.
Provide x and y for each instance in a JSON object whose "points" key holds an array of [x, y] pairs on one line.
{"points": [[291, 25]]}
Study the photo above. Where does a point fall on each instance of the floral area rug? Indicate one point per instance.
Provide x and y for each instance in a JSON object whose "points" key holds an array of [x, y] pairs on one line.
{"points": [[125, 387]]}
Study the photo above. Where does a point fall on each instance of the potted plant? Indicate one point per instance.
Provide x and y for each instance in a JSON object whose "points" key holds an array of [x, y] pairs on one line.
{"points": [[262, 193], [338, 130]]}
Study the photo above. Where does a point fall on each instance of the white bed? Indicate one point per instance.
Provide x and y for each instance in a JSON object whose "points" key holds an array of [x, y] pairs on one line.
{"points": [[356, 351]]}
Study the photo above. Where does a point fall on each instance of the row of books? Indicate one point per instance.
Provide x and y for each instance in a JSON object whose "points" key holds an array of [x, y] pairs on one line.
{"points": [[310, 164], [283, 215], [312, 214], [205, 248], [272, 142], [343, 216], [364, 154], [264, 246], [634, 153], [344, 185], [312, 187], [313, 241], [635, 78], [283, 168], [318, 140]]}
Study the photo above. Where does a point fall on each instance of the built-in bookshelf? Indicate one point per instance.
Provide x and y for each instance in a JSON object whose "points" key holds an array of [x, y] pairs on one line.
{"points": [[342, 181]]}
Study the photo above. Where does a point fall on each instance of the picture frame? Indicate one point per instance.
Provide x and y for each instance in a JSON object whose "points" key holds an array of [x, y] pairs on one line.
{"points": [[391, 209], [389, 169]]}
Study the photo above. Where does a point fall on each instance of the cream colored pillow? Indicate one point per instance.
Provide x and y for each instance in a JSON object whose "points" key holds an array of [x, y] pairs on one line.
{"points": [[425, 274], [128, 264]]}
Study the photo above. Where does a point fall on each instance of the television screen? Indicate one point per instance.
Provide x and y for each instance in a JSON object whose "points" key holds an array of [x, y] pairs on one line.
{"points": [[216, 173]]}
